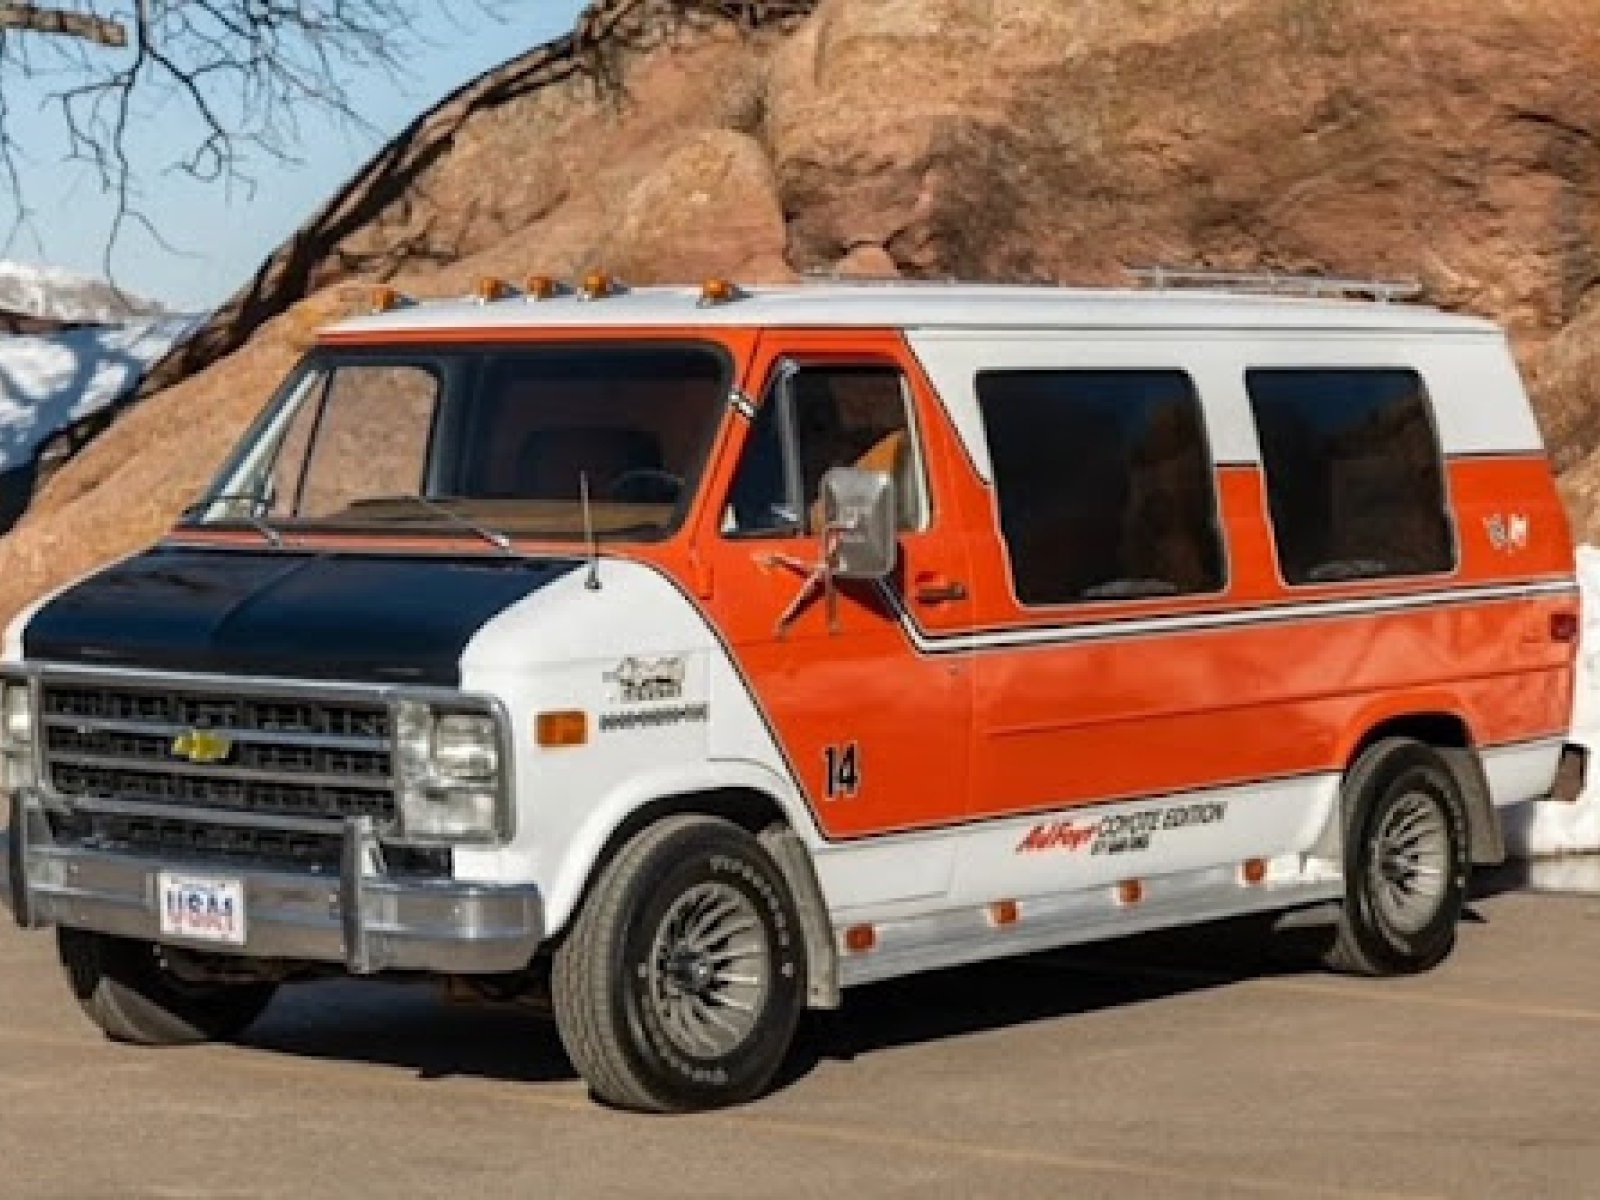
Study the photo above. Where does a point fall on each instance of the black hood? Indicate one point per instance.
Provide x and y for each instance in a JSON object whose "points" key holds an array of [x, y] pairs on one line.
{"points": [[357, 617]]}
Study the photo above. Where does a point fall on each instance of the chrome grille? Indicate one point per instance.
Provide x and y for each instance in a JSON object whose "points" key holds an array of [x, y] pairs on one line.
{"points": [[307, 758]]}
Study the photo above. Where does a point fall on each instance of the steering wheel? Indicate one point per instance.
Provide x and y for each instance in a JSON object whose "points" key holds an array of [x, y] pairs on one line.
{"points": [[645, 485]]}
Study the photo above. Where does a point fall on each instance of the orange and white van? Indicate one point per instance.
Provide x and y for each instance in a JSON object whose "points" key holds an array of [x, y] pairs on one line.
{"points": [[697, 654]]}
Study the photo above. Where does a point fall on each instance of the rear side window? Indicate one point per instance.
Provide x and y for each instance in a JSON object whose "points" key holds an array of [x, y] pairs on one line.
{"points": [[1104, 484], [1354, 480]]}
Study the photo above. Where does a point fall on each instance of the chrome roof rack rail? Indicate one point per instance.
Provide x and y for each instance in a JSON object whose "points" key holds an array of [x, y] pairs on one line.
{"points": [[1268, 283]]}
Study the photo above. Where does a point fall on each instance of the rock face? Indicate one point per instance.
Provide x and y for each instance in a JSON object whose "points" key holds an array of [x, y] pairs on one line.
{"points": [[1453, 141]]}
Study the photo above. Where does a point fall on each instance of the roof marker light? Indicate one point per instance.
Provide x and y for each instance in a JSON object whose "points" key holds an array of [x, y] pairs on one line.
{"points": [[597, 285], [716, 291], [386, 299], [541, 287], [491, 288]]}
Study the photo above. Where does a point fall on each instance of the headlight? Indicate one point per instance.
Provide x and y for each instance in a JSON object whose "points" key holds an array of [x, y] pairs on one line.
{"points": [[16, 736], [448, 765]]}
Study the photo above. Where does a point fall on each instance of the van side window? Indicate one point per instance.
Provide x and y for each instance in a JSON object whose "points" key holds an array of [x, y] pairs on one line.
{"points": [[1104, 482], [1354, 479], [831, 416]]}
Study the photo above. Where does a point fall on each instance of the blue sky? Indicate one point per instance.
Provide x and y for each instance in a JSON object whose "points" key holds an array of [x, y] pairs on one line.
{"points": [[223, 237]]}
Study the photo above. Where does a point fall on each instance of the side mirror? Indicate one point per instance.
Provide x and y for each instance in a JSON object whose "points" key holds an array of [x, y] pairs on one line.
{"points": [[859, 508]]}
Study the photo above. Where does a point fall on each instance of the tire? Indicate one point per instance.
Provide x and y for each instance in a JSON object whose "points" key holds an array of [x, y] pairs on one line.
{"points": [[651, 1020], [125, 989], [1405, 861]]}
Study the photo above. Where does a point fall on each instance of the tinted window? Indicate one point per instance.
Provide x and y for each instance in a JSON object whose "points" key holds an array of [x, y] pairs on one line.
{"points": [[843, 416], [1104, 484], [1354, 481]]}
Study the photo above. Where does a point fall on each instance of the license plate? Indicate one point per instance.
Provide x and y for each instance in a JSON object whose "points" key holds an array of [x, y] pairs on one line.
{"points": [[202, 909]]}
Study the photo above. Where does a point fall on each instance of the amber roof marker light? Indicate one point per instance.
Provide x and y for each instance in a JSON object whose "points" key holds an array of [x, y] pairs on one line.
{"points": [[384, 298], [598, 285], [541, 287], [491, 288], [717, 290]]}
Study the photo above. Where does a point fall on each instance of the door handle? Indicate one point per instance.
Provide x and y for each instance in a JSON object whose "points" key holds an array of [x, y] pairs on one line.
{"points": [[933, 588]]}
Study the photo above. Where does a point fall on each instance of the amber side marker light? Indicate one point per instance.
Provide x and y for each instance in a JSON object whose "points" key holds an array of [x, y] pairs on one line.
{"points": [[1004, 912], [541, 287], [1254, 870], [1130, 891], [564, 728], [858, 939]]}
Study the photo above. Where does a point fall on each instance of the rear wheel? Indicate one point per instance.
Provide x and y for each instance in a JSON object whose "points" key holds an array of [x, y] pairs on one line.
{"points": [[1406, 863], [127, 989], [681, 982]]}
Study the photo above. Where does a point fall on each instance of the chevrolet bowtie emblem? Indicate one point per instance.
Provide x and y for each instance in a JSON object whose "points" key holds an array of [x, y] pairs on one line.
{"points": [[202, 746]]}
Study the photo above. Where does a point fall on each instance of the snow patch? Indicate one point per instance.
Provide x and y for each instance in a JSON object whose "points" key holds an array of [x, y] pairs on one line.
{"points": [[50, 382], [1546, 827], [61, 295]]}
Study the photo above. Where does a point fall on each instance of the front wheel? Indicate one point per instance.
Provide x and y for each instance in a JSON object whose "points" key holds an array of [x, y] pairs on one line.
{"points": [[1406, 862], [682, 980], [127, 989]]}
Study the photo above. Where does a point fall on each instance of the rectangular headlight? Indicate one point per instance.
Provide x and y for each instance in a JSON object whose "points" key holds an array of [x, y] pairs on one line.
{"points": [[16, 736], [450, 780]]}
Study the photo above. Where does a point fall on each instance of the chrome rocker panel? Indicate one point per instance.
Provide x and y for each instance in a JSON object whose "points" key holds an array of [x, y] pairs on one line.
{"points": [[362, 918]]}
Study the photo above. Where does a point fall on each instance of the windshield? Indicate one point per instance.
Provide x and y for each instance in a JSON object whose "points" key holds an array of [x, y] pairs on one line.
{"points": [[503, 439]]}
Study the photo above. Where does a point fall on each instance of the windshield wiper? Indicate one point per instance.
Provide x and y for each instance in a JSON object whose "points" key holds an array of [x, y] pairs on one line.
{"points": [[494, 537], [251, 517]]}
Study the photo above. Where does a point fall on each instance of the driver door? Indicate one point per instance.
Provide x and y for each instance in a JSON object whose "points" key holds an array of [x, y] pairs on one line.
{"points": [[877, 731]]}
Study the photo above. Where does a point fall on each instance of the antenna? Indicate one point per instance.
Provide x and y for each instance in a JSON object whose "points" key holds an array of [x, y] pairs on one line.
{"points": [[593, 582]]}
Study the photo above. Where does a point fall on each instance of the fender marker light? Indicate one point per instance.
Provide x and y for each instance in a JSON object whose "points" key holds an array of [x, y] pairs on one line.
{"points": [[1255, 870], [1130, 891], [554, 730]]}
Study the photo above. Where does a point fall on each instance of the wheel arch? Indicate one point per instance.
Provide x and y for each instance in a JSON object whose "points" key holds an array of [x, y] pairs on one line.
{"points": [[1449, 734], [746, 796]]}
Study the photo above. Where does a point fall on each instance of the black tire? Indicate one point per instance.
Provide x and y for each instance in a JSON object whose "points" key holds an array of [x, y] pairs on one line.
{"points": [[1395, 780], [611, 971], [126, 990]]}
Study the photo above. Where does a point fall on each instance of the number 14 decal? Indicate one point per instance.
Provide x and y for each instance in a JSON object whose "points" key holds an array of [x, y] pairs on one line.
{"points": [[844, 771]]}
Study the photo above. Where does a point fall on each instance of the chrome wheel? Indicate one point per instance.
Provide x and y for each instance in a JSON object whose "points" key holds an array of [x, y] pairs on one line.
{"points": [[708, 971], [1410, 862]]}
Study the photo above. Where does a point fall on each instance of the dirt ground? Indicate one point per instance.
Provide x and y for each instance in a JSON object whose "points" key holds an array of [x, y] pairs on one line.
{"points": [[1189, 1064]]}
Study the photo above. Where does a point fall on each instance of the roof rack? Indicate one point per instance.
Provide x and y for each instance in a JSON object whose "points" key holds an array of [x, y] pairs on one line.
{"points": [[1271, 284]]}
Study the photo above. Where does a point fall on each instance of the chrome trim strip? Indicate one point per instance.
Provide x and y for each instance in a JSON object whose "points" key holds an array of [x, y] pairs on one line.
{"points": [[1092, 630], [254, 737], [221, 817], [151, 766]]}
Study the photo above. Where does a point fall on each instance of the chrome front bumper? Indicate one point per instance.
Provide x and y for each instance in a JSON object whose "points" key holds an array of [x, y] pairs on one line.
{"points": [[362, 918]]}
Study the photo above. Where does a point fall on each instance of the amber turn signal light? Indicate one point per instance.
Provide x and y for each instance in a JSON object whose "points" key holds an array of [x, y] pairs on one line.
{"points": [[540, 287], [1004, 912], [1254, 870], [564, 728], [1130, 891]]}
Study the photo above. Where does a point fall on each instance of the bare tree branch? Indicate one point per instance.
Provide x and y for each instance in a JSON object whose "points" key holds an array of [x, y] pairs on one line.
{"points": [[60, 22]]}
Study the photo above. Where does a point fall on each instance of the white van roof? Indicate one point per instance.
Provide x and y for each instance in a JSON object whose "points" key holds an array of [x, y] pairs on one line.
{"points": [[910, 305]]}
